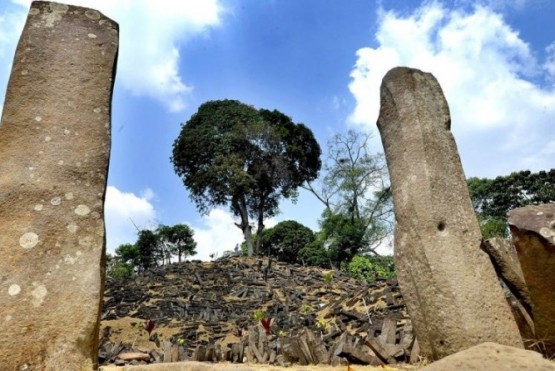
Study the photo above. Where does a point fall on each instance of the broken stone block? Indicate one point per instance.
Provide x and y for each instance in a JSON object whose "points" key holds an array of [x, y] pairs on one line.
{"points": [[54, 151], [533, 231], [505, 260], [448, 283]]}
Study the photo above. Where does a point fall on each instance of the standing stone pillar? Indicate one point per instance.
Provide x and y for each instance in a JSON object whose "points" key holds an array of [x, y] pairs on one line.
{"points": [[533, 231], [448, 283], [54, 151]]}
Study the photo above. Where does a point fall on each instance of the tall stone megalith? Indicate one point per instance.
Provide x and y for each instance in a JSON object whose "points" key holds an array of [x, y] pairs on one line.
{"points": [[448, 283], [54, 151]]}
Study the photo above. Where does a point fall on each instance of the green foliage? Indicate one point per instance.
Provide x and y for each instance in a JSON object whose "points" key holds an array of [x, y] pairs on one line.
{"points": [[258, 315], [357, 200], [328, 277], [369, 269], [147, 244], [494, 198], [117, 269], [345, 236], [285, 241], [315, 253], [177, 240], [230, 153], [128, 253]]}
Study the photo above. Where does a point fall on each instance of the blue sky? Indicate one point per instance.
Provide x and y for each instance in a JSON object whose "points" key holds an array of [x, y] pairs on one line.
{"points": [[320, 62]]}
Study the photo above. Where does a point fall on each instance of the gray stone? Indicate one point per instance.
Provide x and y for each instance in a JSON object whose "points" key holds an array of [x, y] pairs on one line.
{"points": [[505, 260], [533, 230], [54, 151], [448, 283], [492, 357]]}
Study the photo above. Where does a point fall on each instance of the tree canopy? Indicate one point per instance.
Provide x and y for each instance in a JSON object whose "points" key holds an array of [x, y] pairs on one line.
{"points": [[286, 240], [494, 198], [177, 240], [230, 153], [354, 190]]}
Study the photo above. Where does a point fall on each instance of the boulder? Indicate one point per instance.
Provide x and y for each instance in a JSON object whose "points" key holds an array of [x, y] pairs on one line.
{"points": [[448, 283], [54, 151], [533, 231], [492, 357], [505, 260]]}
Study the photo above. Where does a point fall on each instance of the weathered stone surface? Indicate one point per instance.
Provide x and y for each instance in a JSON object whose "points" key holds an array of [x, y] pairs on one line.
{"points": [[505, 260], [448, 283], [492, 357], [54, 150], [533, 230]]}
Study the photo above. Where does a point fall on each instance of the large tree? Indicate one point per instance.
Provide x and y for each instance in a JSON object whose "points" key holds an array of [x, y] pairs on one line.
{"points": [[355, 192], [286, 240], [177, 240], [494, 198], [148, 244], [230, 153]]}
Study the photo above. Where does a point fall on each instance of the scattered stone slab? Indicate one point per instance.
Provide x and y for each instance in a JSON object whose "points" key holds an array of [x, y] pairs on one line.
{"points": [[533, 231], [54, 151], [130, 356], [448, 283], [214, 321], [492, 357]]}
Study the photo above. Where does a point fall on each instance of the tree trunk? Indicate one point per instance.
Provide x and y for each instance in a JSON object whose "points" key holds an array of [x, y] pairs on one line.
{"points": [[260, 228], [241, 206]]}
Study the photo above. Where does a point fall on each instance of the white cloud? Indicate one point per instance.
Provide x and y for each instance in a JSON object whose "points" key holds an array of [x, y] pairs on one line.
{"points": [[150, 35], [216, 234], [486, 71], [125, 210]]}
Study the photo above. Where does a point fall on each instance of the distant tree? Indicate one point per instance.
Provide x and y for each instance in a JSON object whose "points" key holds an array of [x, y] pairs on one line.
{"points": [[147, 244], [177, 240], [229, 153], [494, 198], [128, 254], [286, 240], [116, 269], [355, 192], [315, 253]]}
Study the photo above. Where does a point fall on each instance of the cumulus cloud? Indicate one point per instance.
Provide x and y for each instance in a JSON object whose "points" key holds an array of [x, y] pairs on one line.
{"points": [[124, 211], [150, 35], [501, 114], [216, 232]]}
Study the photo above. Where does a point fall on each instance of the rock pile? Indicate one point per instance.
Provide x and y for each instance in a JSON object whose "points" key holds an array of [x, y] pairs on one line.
{"points": [[215, 311]]}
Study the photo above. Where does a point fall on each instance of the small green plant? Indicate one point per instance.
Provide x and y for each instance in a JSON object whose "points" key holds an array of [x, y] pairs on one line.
{"points": [[306, 309], [258, 315], [328, 277], [282, 333], [180, 341], [138, 328], [322, 325]]}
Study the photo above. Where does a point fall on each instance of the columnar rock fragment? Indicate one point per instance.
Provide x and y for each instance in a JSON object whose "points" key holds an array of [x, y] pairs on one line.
{"points": [[54, 151], [449, 285], [533, 230]]}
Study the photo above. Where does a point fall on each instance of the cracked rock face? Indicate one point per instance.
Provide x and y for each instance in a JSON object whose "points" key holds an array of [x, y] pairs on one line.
{"points": [[533, 231], [448, 283], [54, 151]]}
